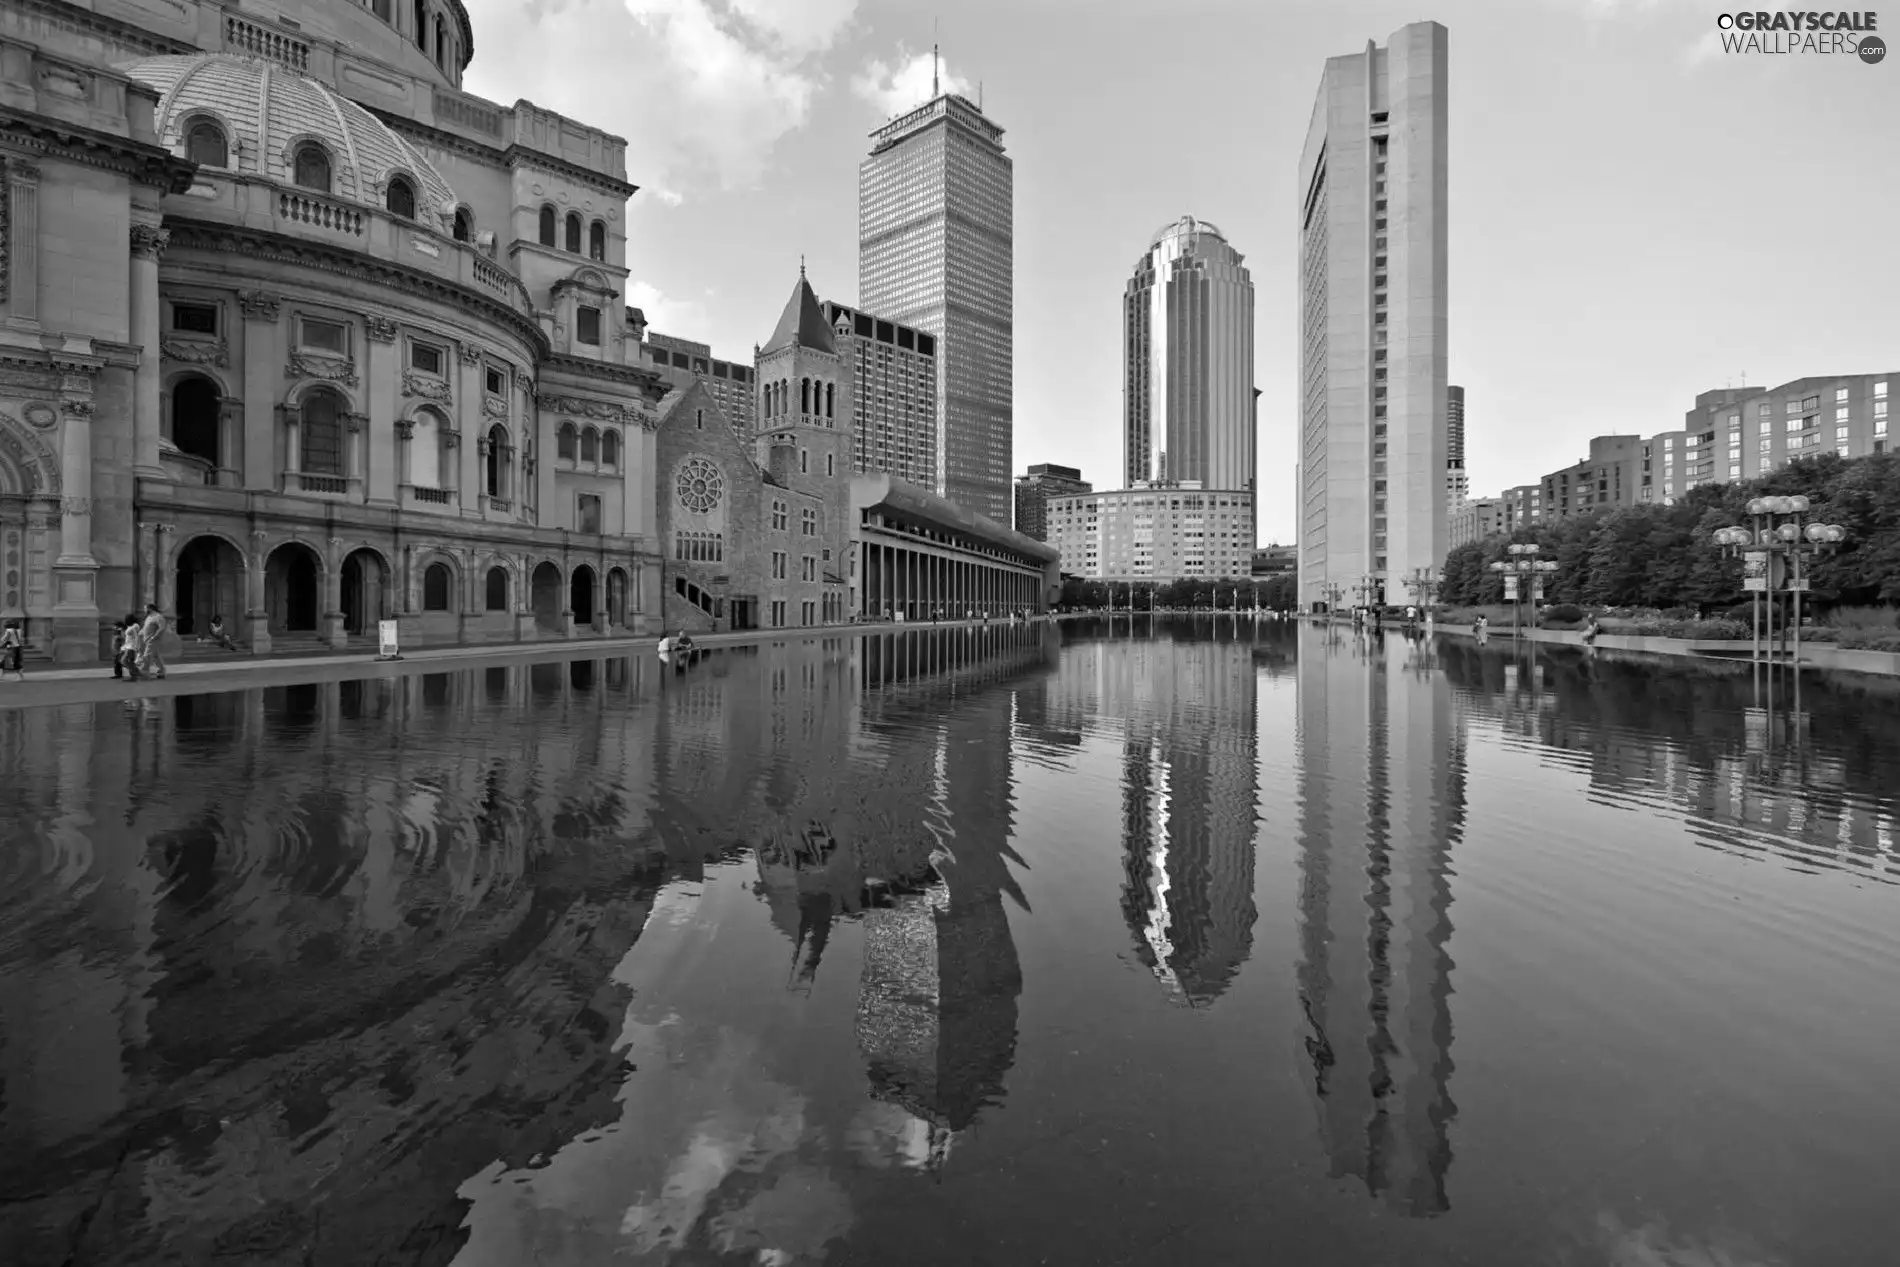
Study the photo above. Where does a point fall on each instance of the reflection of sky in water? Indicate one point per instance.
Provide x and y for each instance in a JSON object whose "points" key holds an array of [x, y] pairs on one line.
{"points": [[712, 1150]]}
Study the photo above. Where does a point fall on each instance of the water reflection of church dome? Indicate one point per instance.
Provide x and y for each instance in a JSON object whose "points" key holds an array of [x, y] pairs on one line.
{"points": [[255, 118]]}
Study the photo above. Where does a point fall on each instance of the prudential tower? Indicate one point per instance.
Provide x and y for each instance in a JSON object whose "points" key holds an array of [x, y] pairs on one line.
{"points": [[1188, 393]]}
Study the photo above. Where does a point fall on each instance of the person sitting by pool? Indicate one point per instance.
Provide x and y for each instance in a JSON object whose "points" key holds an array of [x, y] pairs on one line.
{"points": [[219, 636]]}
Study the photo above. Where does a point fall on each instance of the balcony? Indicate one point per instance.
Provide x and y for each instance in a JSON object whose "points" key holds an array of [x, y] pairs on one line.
{"points": [[245, 200], [328, 485], [249, 39]]}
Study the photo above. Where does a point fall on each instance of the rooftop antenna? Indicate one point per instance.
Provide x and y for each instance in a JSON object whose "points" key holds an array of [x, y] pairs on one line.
{"points": [[801, 266], [935, 90]]}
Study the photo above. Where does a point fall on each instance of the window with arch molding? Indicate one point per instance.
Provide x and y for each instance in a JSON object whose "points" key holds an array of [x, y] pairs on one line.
{"points": [[205, 144], [610, 448], [597, 241], [464, 225], [421, 32], [830, 390], [441, 43], [590, 445], [322, 433], [574, 232], [497, 455], [401, 198], [564, 441], [310, 167], [547, 226], [425, 450], [436, 584], [700, 485], [804, 395], [497, 587]]}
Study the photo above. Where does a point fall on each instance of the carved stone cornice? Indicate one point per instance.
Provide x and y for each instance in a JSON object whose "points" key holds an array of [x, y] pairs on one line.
{"points": [[471, 354], [405, 429], [328, 369], [195, 352], [601, 410], [421, 385], [355, 423], [76, 409], [24, 172], [451, 438], [259, 305], [278, 248], [40, 136], [149, 241], [381, 329], [494, 407]]}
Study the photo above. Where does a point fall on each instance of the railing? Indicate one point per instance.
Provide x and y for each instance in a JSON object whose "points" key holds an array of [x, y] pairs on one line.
{"points": [[323, 215], [258, 41], [500, 503], [318, 483], [440, 496]]}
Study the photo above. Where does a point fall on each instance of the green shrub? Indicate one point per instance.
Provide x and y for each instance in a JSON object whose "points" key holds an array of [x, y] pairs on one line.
{"points": [[1869, 639], [1884, 619], [1698, 630], [1562, 614]]}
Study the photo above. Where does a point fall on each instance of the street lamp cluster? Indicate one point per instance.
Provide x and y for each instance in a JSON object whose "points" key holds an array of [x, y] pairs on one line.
{"points": [[1522, 572], [1772, 555]]}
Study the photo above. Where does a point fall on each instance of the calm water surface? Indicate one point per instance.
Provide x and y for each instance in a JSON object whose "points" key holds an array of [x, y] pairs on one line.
{"points": [[1172, 943]]}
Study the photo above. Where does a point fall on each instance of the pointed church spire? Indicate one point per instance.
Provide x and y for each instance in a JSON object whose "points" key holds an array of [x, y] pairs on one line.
{"points": [[802, 324]]}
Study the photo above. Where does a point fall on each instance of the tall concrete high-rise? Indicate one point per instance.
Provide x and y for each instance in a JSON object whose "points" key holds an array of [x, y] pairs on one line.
{"points": [[1374, 437], [1457, 482], [936, 252], [1187, 342]]}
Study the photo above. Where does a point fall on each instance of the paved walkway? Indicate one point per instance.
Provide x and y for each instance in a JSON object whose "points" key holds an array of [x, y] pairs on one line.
{"points": [[94, 682]]}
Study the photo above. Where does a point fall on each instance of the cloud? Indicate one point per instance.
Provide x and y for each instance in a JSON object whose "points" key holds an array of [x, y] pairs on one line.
{"points": [[904, 83], [682, 318], [702, 90], [1707, 48]]}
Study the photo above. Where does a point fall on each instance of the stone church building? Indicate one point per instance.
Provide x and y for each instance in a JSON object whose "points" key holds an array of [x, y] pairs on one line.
{"points": [[295, 331]]}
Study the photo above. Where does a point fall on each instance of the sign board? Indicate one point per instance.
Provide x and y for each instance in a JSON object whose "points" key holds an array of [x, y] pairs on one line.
{"points": [[1800, 587], [1755, 584], [1510, 588], [1537, 591], [386, 635]]}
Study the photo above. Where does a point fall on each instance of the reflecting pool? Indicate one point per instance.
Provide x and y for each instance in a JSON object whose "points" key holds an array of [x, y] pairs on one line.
{"points": [[1138, 942]]}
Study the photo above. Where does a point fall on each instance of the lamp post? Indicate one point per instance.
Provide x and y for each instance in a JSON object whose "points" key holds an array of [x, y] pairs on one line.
{"points": [[1772, 555], [1523, 570], [1333, 593], [1422, 586]]}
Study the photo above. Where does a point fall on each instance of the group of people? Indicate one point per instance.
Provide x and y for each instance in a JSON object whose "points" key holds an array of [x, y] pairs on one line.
{"points": [[137, 646]]}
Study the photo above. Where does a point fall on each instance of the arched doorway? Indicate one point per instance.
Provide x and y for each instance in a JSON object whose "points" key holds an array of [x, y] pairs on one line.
{"points": [[545, 592], [210, 583], [292, 588], [365, 591], [195, 418], [581, 595], [617, 596]]}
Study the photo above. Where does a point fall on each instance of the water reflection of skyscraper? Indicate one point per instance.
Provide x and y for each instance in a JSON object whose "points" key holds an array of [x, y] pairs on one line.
{"points": [[1381, 805], [1189, 775]]}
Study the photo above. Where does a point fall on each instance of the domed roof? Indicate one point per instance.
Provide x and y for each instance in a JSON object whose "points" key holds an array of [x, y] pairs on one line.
{"points": [[266, 109], [1186, 226]]}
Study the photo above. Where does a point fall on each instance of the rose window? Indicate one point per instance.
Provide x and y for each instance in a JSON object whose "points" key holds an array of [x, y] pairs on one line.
{"points": [[700, 485]]}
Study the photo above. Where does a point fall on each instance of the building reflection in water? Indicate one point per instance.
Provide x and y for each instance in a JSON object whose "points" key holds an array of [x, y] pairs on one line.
{"points": [[1381, 806], [1190, 769]]}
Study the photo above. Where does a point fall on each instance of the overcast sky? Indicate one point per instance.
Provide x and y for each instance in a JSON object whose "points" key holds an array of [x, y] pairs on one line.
{"points": [[1635, 216]]}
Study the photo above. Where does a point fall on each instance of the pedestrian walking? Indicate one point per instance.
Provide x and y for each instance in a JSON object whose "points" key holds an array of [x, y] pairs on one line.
{"points": [[151, 634], [12, 651]]}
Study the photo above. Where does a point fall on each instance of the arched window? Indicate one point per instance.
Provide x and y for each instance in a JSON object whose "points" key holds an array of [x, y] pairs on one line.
{"points": [[590, 445], [311, 169], [564, 442], [497, 454], [205, 145], [436, 583], [441, 43], [830, 390], [195, 417], [464, 225], [497, 589], [574, 232], [597, 241], [804, 395], [425, 450], [322, 434], [422, 25], [610, 448], [547, 226], [401, 198]]}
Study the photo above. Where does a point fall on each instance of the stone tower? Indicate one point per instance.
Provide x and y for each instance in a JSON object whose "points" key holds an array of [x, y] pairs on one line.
{"points": [[805, 437]]}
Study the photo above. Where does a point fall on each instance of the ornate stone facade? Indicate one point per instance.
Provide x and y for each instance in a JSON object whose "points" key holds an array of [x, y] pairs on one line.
{"points": [[270, 353]]}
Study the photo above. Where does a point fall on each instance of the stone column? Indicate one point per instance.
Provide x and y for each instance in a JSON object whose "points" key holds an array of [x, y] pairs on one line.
{"points": [[333, 630], [230, 472], [449, 462], [355, 441], [165, 565], [148, 241], [405, 451], [21, 290], [467, 412], [258, 614], [147, 589], [265, 423], [382, 387], [75, 571]]}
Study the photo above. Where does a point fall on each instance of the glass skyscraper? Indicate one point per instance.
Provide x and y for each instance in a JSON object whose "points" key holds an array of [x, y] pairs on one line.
{"points": [[1187, 393], [935, 252]]}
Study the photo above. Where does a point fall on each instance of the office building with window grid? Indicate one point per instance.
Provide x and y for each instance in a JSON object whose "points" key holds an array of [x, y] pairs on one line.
{"points": [[1374, 442], [1741, 433], [682, 362], [1457, 483], [935, 252], [1154, 532], [893, 372], [1033, 491]]}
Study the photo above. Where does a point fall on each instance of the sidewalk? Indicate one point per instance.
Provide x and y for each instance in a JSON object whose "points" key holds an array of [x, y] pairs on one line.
{"points": [[94, 682]]}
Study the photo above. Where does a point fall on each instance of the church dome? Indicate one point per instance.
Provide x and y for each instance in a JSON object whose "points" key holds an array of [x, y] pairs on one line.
{"points": [[268, 112]]}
